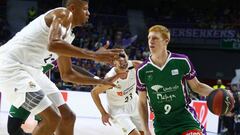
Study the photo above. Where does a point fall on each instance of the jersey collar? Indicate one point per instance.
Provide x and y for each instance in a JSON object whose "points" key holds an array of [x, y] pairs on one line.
{"points": [[160, 68]]}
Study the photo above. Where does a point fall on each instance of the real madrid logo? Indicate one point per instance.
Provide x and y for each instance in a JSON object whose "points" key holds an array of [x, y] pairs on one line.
{"points": [[31, 84]]}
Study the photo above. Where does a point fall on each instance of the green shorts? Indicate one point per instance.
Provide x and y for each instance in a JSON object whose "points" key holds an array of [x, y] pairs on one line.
{"points": [[175, 124]]}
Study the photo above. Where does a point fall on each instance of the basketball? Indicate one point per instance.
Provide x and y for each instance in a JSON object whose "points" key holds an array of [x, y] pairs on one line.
{"points": [[220, 101]]}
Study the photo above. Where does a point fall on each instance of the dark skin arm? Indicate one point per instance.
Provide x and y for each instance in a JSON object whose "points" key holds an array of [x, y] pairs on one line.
{"points": [[82, 71], [60, 21], [68, 74]]}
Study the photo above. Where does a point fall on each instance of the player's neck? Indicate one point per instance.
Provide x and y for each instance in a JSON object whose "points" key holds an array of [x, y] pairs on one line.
{"points": [[160, 58]]}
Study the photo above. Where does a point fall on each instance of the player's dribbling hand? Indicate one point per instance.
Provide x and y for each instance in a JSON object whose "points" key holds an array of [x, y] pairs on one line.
{"points": [[107, 55], [105, 119]]}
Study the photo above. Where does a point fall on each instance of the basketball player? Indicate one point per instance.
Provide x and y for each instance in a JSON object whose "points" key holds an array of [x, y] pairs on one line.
{"points": [[163, 80], [122, 101], [45, 39]]}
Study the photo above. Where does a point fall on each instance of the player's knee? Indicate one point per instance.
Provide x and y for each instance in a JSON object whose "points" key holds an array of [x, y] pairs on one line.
{"points": [[68, 117], [51, 119], [14, 126], [54, 121]]}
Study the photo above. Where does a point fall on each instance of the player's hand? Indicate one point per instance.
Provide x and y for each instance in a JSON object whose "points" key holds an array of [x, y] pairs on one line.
{"points": [[231, 94], [107, 55], [105, 119], [109, 83], [118, 75]]}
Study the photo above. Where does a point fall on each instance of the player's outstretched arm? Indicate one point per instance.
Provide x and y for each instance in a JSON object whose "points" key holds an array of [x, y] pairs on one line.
{"points": [[68, 74], [95, 96], [143, 110], [136, 63], [200, 88], [82, 71], [60, 21]]}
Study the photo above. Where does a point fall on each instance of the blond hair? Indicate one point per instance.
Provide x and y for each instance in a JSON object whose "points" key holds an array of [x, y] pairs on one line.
{"points": [[162, 29]]}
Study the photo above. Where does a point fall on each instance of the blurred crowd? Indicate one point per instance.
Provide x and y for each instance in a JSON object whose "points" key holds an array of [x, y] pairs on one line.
{"points": [[213, 14], [4, 31]]}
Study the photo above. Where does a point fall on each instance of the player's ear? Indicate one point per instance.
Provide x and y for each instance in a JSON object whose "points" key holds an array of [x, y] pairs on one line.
{"points": [[71, 7]]}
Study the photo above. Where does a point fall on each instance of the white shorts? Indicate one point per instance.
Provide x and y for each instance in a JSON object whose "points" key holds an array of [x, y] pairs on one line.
{"points": [[127, 117], [16, 79], [128, 123]]}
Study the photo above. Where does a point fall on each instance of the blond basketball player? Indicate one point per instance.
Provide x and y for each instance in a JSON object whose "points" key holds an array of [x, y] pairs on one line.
{"points": [[46, 39], [122, 100]]}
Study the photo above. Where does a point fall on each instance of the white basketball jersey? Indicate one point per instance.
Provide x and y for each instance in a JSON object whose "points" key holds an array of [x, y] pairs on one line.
{"points": [[29, 46], [127, 91]]}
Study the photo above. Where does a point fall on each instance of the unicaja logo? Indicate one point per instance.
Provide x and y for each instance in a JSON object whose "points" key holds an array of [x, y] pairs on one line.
{"points": [[156, 87]]}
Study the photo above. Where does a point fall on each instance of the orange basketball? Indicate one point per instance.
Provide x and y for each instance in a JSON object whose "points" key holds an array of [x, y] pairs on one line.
{"points": [[220, 101]]}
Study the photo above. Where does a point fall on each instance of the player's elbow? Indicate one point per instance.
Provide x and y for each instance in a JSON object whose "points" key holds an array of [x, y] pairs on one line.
{"points": [[53, 45], [67, 77], [93, 92]]}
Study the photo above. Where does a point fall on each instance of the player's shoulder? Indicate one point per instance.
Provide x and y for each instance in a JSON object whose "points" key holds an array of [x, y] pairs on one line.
{"points": [[143, 64], [178, 56], [60, 12], [110, 73]]}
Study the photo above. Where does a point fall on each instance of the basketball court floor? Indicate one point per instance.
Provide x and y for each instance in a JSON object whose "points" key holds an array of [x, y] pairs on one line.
{"points": [[84, 126]]}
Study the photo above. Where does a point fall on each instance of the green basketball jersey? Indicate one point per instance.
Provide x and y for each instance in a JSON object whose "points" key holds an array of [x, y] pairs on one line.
{"points": [[167, 91]]}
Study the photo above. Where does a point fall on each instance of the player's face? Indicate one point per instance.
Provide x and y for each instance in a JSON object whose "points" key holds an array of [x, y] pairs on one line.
{"points": [[122, 64], [81, 13], [156, 42]]}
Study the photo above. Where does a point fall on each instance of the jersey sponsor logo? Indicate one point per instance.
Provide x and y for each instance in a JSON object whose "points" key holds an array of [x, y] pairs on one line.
{"points": [[126, 91], [192, 132], [175, 72], [156, 87], [162, 89], [120, 93], [165, 97], [163, 93]]}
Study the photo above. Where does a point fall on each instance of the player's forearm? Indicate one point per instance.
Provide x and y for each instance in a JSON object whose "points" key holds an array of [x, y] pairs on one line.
{"points": [[97, 101], [80, 79], [203, 89], [62, 48], [82, 71], [143, 111]]}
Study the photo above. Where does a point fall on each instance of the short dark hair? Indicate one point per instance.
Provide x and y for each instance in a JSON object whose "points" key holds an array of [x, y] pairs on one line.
{"points": [[66, 2]]}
